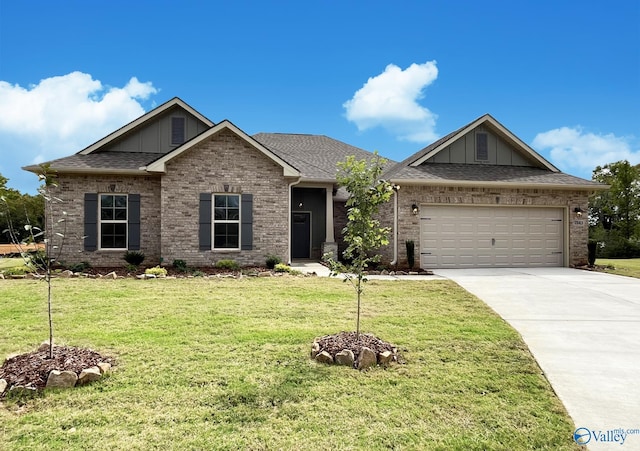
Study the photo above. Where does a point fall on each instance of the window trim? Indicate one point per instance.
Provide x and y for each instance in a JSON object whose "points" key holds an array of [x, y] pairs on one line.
{"points": [[101, 221], [215, 221]]}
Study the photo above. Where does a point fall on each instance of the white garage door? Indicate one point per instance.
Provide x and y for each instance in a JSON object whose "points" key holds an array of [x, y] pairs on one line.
{"points": [[476, 237]]}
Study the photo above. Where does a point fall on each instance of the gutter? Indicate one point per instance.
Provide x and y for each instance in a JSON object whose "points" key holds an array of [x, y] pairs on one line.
{"points": [[395, 226]]}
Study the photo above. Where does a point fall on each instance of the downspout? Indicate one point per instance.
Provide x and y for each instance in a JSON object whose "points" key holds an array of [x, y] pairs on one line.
{"points": [[289, 219], [395, 225]]}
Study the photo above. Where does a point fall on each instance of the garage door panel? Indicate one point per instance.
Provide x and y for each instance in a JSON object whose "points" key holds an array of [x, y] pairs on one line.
{"points": [[464, 237]]}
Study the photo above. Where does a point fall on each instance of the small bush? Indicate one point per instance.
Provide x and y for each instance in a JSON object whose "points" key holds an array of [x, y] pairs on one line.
{"points": [[229, 264], [180, 265], [410, 253], [272, 261], [134, 258], [16, 271], [197, 273], [79, 267], [281, 267], [156, 271], [592, 247]]}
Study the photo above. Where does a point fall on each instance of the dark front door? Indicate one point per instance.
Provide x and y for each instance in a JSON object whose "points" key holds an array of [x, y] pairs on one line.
{"points": [[301, 235]]}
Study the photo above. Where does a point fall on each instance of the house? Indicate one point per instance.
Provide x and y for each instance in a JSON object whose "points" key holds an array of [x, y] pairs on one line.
{"points": [[175, 185]]}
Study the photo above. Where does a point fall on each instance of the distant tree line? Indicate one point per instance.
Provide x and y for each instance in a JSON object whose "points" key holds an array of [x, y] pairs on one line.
{"points": [[17, 210], [614, 215]]}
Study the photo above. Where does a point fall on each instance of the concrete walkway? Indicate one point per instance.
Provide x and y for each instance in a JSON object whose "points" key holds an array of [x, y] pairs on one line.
{"points": [[583, 328]]}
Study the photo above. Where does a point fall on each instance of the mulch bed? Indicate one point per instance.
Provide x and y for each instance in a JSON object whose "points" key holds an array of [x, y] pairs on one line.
{"points": [[32, 369], [333, 344]]}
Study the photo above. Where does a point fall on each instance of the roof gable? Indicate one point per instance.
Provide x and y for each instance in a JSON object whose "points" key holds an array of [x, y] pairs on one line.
{"points": [[140, 122], [159, 165], [487, 122]]}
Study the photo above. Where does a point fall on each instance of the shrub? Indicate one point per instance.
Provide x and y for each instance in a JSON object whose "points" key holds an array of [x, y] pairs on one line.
{"points": [[410, 253], [592, 246], [228, 264], [180, 265], [79, 267], [134, 258], [16, 271], [281, 267], [156, 271], [272, 261]]}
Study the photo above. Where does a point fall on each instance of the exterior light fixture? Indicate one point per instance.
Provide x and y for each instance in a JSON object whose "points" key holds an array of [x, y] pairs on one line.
{"points": [[578, 211], [414, 209], [395, 187]]}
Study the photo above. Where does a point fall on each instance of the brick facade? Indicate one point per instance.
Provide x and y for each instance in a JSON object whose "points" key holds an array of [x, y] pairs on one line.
{"points": [[409, 224], [223, 160], [71, 190]]}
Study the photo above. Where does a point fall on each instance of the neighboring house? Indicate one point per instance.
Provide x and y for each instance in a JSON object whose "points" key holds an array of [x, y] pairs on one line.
{"points": [[174, 185]]}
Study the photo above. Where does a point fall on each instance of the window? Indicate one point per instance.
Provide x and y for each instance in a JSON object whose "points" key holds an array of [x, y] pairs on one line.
{"points": [[178, 130], [113, 221], [226, 221], [482, 147]]}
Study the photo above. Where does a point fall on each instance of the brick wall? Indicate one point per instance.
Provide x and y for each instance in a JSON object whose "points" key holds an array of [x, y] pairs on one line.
{"points": [[409, 225], [223, 160], [71, 190]]}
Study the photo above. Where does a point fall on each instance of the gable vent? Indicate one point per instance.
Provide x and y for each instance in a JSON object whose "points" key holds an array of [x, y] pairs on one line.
{"points": [[482, 147], [177, 130]]}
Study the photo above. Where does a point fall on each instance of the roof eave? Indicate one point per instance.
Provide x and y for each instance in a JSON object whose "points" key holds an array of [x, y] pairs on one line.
{"points": [[91, 171], [497, 184]]}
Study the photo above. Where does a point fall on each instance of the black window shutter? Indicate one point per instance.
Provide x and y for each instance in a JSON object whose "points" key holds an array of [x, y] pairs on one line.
{"points": [[204, 229], [134, 222], [246, 213], [90, 222]]}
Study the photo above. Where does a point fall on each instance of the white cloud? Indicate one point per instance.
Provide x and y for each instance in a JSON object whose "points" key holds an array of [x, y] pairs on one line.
{"points": [[571, 148], [390, 100], [62, 115]]}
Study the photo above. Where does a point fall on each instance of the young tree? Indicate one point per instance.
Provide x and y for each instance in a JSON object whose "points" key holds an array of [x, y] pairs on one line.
{"points": [[52, 234], [363, 233]]}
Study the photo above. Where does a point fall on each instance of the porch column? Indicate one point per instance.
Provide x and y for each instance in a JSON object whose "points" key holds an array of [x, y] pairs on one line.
{"points": [[329, 246]]}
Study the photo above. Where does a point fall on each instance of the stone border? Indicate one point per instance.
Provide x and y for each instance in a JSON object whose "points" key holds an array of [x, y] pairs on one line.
{"points": [[367, 358]]}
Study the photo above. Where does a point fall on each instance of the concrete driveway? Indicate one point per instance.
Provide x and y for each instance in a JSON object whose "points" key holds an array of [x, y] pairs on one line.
{"points": [[584, 330]]}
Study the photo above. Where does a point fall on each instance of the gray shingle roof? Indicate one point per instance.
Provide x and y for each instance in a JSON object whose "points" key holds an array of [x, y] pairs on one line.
{"points": [[315, 156], [102, 162], [448, 173]]}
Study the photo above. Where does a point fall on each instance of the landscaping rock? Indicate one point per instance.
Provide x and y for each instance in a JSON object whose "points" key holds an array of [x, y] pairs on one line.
{"points": [[61, 379], [367, 358], [324, 357], [44, 347], [315, 349], [112, 275], [3, 386], [66, 273], [1, 276], [89, 375], [104, 367], [345, 357], [385, 358]]}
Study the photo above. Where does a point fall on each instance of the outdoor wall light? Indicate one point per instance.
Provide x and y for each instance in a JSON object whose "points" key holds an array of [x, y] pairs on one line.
{"points": [[395, 187], [578, 211], [414, 209]]}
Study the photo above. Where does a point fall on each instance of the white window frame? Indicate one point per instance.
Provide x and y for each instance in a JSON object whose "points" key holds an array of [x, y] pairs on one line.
{"points": [[113, 221], [215, 221]]}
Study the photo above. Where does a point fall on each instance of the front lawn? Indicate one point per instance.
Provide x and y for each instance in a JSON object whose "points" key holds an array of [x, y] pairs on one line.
{"points": [[621, 266], [223, 364]]}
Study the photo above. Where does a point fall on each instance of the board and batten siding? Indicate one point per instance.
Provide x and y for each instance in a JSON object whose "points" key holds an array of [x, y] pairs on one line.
{"points": [[463, 151], [155, 136]]}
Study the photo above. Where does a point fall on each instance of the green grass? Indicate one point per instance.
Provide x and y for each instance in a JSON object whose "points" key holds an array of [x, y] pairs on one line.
{"points": [[6, 263], [622, 266], [223, 364]]}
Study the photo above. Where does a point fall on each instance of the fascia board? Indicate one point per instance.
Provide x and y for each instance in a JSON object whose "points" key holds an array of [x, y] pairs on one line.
{"points": [[511, 185]]}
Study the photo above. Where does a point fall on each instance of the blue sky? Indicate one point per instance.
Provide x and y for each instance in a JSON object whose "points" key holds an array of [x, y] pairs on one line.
{"points": [[564, 76]]}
